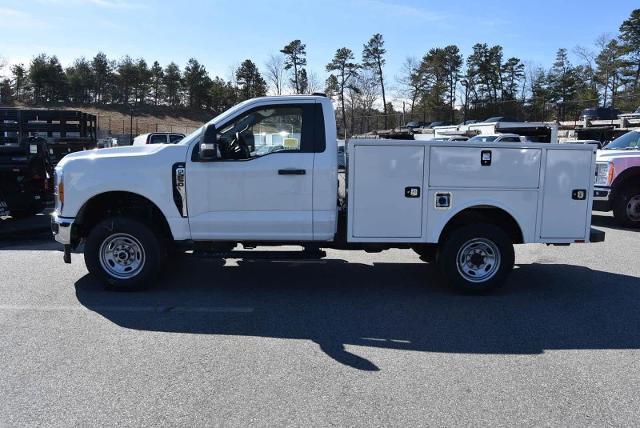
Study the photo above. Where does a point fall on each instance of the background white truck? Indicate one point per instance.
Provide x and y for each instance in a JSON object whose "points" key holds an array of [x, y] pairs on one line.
{"points": [[265, 173]]}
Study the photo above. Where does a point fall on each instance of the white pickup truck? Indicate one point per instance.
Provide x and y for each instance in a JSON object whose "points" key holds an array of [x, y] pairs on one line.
{"points": [[265, 173]]}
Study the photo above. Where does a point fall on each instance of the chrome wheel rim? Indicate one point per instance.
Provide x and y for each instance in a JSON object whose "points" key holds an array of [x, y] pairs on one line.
{"points": [[633, 208], [122, 256], [478, 260]]}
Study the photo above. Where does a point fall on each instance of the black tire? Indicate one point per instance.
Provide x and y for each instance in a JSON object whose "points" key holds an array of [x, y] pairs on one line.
{"points": [[494, 240], [626, 200], [139, 235]]}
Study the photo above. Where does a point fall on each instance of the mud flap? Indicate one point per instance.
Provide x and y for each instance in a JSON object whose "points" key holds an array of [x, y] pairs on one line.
{"points": [[67, 254], [596, 235]]}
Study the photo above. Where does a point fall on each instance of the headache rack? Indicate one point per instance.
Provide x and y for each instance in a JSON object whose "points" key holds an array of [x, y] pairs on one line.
{"points": [[65, 131]]}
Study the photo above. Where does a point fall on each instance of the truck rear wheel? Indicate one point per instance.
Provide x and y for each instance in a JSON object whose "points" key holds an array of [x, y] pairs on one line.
{"points": [[476, 258], [124, 253], [626, 207]]}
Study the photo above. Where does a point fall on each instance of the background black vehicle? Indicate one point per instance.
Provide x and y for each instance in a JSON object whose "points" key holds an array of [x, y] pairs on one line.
{"points": [[416, 124], [501, 119], [600, 113], [26, 175], [32, 142], [439, 123]]}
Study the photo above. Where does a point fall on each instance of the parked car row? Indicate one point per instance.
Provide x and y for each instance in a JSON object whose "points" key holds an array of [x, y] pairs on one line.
{"points": [[430, 125], [592, 113], [493, 138], [426, 125]]}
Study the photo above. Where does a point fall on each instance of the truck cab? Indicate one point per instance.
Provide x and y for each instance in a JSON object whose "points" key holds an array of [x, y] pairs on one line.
{"points": [[266, 173]]}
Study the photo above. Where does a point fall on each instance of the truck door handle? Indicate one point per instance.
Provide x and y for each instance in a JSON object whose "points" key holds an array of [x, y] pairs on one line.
{"points": [[292, 171]]}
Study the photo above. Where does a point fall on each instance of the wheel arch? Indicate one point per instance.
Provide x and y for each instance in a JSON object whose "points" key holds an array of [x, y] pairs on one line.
{"points": [[624, 179], [493, 214], [130, 204]]}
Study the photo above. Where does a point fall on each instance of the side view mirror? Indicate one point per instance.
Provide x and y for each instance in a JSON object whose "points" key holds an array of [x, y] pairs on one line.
{"points": [[209, 143]]}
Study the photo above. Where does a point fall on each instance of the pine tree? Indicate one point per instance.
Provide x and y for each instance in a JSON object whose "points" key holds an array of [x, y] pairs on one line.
{"points": [[157, 75], [172, 83], [250, 82], [343, 69], [373, 59], [295, 57]]}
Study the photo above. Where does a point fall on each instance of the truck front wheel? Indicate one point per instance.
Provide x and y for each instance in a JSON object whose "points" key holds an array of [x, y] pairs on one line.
{"points": [[476, 258], [124, 253], [626, 207]]}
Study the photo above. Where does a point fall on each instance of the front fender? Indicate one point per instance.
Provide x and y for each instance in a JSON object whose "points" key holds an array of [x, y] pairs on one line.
{"points": [[148, 176]]}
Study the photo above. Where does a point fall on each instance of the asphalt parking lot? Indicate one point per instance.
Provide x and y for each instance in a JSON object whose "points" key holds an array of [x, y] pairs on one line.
{"points": [[356, 339]]}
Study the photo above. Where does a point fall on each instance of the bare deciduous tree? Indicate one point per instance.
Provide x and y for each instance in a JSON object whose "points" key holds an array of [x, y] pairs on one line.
{"points": [[313, 83], [410, 81], [3, 64], [275, 74]]}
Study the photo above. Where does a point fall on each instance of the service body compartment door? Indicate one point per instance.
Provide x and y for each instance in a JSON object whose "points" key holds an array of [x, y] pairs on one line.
{"points": [[566, 196], [387, 192], [489, 167]]}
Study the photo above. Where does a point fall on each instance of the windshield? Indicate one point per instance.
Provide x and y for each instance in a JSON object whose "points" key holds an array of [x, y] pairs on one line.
{"points": [[218, 119], [628, 141], [483, 138]]}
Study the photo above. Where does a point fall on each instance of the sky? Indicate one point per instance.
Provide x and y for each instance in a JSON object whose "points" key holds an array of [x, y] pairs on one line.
{"points": [[222, 33]]}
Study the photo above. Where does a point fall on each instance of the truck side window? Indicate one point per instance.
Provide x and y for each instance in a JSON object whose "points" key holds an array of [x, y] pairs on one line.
{"points": [[261, 132], [174, 138], [510, 140], [158, 139]]}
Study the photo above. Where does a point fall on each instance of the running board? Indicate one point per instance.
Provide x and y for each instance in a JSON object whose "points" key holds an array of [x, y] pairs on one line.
{"points": [[262, 255]]}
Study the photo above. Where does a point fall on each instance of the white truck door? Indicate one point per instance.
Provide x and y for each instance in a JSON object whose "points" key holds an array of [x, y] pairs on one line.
{"points": [[261, 187], [387, 196], [568, 183]]}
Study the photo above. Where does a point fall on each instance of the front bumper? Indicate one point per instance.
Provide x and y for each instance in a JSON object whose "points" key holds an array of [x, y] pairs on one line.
{"points": [[601, 197], [61, 227]]}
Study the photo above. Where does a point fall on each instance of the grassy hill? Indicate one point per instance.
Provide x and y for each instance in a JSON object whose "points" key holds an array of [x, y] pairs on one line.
{"points": [[147, 118], [117, 119]]}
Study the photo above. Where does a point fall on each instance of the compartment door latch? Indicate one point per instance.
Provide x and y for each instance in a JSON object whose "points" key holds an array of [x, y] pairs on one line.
{"points": [[579, 194], [411, 192], [485, 158]]}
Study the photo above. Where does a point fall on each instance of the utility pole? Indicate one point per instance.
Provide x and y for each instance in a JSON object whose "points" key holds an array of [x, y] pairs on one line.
{"points": [[403, 112], [131, 124]]}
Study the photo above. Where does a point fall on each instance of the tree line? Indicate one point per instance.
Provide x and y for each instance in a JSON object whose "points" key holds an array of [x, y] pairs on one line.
{"points": [[441, 85], [103, 81]]}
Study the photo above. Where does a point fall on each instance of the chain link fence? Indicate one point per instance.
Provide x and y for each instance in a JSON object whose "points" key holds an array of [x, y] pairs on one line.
{"points": [[123, 128]]}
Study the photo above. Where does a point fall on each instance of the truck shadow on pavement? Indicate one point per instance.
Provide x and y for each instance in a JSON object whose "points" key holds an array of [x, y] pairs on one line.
{"points": [[386, 305], [609, 222], [34, 227]]}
